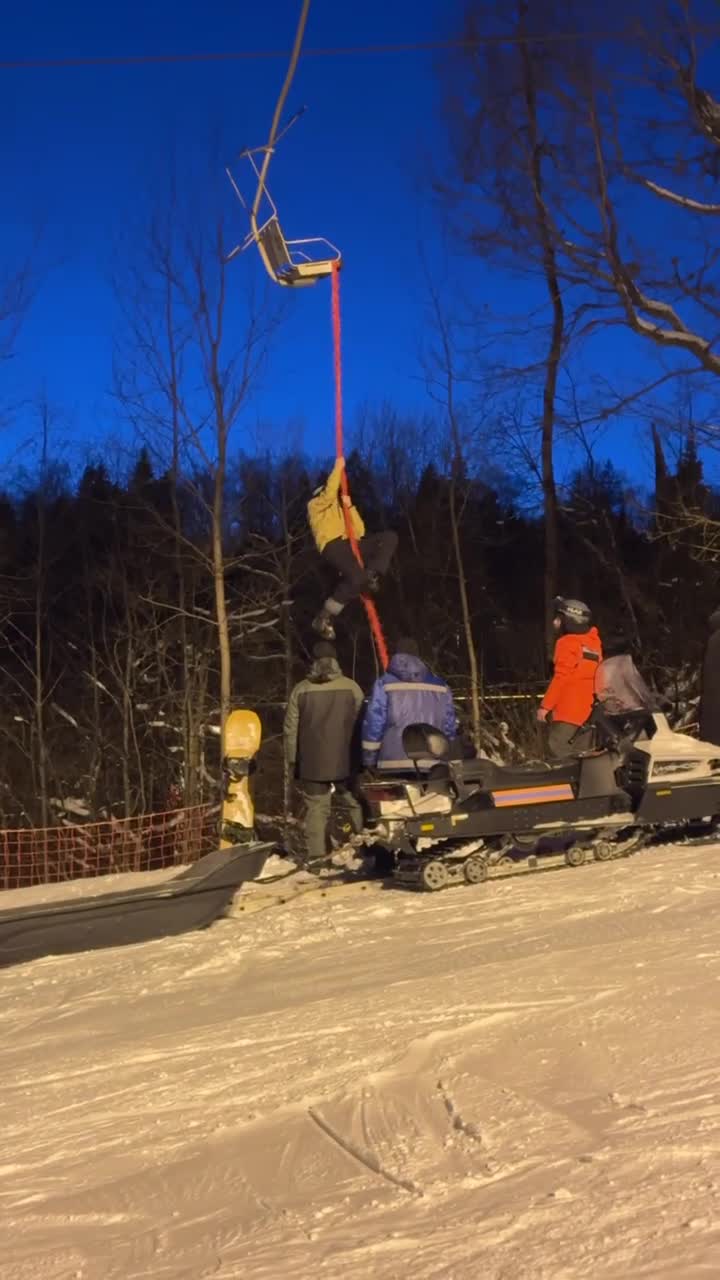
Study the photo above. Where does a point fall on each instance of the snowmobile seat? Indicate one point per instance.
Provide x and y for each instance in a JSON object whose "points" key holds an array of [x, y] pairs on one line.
{"points": [[493, 777], [424, 743], [430, 749]]}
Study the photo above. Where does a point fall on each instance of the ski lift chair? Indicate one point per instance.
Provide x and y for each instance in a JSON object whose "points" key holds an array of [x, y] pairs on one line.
{"points": [[291, 263]]}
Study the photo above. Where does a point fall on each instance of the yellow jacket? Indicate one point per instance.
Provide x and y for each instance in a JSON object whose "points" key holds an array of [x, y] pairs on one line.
{"points": [[326, 514]]}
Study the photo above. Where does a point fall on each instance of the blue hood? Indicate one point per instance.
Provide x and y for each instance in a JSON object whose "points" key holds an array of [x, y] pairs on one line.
{"points": [[407, 667], [407, 694]]}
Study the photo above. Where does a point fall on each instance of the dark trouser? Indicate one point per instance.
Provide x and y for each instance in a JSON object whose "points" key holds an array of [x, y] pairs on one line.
{"points": [[377, 550], [317, 797], [567, 740]]}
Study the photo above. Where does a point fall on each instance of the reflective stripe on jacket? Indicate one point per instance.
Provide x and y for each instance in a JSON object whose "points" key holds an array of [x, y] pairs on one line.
{"points": [[571, 690], [326, 514], [407, 694]]}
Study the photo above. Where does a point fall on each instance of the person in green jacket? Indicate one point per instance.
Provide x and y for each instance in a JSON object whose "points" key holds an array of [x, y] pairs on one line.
{"points": [[320, 727]]}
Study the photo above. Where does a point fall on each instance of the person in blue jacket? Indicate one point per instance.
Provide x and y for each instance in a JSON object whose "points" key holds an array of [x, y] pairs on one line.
{"points": [[408, 693]]}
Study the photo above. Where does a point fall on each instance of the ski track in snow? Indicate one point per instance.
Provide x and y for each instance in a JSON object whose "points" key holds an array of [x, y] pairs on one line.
{"points": [[513, 1080]]}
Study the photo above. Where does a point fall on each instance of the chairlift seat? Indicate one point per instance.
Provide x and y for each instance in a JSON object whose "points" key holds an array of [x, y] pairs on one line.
{"points": [[292, 263], [287, 261]]}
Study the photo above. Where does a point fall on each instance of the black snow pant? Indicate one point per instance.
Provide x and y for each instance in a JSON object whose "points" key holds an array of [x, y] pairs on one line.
{"points": [[377, 550]]}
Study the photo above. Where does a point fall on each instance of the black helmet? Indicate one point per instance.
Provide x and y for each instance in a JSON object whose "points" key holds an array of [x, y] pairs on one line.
{"points": [[574, 613]]}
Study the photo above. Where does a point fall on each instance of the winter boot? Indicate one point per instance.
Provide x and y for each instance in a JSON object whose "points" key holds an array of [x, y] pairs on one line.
{"points": [[323, 625]]}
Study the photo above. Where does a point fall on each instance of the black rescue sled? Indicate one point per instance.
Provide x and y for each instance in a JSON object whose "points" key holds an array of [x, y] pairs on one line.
{"points": [[467, 817], [193, 899]]}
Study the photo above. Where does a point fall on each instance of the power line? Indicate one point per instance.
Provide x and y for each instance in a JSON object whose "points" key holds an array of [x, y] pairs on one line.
{"points": [[339, 51]]}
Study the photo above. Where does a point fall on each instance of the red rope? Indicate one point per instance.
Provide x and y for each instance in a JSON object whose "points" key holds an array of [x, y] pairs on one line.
{"points": [[371, 611]]}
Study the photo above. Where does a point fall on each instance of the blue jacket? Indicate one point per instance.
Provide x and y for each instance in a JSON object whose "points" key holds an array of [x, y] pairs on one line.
{"points": [[408, 693]]}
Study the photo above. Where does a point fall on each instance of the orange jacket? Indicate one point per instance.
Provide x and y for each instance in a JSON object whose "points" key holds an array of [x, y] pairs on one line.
{"points": [[570, 693]]}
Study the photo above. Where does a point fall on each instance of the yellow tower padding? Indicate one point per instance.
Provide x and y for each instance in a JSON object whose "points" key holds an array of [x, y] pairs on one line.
{"points": [[243, 735]]}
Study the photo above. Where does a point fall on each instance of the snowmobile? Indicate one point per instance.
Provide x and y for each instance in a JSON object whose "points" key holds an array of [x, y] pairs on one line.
{"points": [[459, 820]]}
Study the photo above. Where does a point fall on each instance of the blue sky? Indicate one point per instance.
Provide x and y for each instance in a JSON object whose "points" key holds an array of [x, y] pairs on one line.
{"points": [[87, 146]]}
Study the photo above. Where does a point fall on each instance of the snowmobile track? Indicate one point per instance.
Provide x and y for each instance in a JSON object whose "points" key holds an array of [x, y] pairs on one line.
{"points": [[535, 864]]}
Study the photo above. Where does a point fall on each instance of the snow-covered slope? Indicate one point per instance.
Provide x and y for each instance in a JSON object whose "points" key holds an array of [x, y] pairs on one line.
{"points": [[513, 1080]]}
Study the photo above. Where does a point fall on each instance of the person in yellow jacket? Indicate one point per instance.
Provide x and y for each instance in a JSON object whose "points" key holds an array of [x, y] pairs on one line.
{"points": [[326, 514]]}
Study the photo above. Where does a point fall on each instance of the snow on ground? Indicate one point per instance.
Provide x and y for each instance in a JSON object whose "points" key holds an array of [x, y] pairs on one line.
{"points": [[512, 1080]]}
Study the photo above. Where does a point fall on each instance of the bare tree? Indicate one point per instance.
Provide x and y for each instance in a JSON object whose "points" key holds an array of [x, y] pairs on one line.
{"points": [[658, 142], [442, 383], [186, 383], [501, 134], [272, 508], [396, 448], [40, 605], [17, 289]]}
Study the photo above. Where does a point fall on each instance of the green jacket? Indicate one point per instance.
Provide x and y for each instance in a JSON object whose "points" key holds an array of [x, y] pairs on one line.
{"points": [[320, 724]]}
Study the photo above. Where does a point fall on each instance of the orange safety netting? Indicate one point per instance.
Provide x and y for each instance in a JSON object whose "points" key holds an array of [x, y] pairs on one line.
{"points": [[150, 842], [371, 611]]}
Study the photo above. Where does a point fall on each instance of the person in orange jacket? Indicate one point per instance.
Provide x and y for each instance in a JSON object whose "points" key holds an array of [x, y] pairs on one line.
{"points": [[328, 524], [568, 701]]}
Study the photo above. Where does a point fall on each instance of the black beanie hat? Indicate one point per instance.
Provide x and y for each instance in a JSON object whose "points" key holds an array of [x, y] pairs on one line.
{"points": [[324, 649], [406, 644]]}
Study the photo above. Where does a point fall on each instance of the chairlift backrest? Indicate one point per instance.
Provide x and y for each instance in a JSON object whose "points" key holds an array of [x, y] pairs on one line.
{"points": [[275, 246]]}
